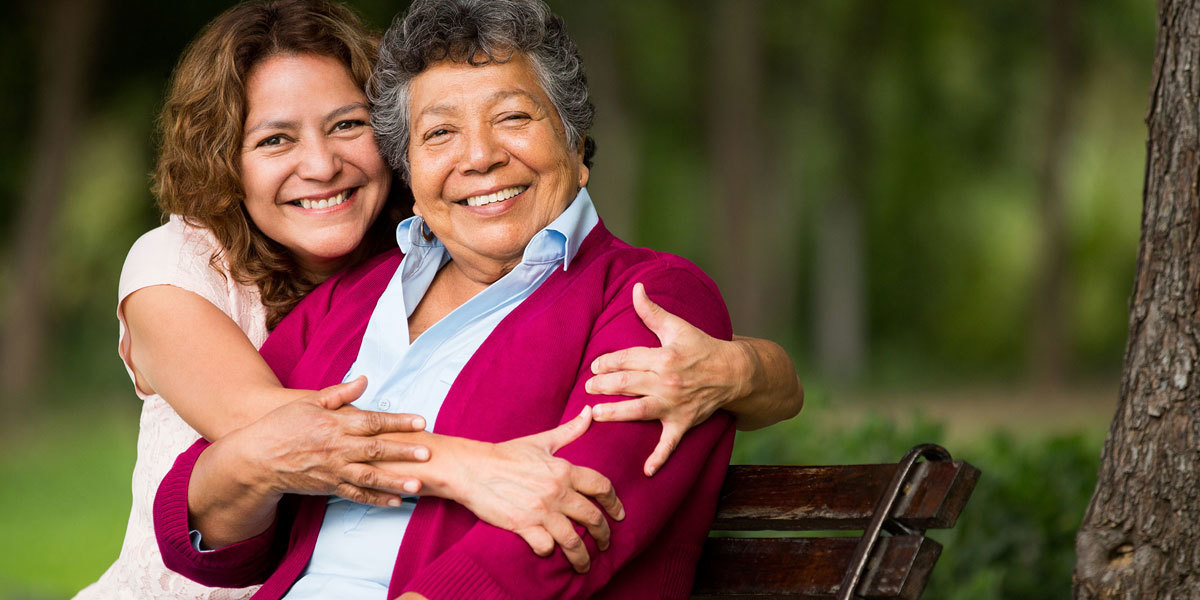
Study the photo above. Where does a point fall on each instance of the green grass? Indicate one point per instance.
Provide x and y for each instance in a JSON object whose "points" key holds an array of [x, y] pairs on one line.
{"points": [[64, 500]]}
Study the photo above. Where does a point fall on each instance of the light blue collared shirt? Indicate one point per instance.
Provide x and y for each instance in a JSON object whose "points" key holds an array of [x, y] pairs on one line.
{"points": [[356, 548]]}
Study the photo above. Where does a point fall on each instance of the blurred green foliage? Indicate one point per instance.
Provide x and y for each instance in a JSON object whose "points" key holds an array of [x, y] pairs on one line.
{"points": [[931, 113]]}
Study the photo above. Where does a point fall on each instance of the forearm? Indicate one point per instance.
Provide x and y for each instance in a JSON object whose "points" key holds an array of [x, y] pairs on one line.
{"points": [[773, 392], [185, 349], [449, 473], [229, 499]]}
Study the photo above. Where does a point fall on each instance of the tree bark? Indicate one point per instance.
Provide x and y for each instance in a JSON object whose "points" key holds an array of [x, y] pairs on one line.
{"points": [[64, 58], [1139, 535]]}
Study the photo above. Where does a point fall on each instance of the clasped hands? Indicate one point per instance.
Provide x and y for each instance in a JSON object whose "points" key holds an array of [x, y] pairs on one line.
{"points": [[320, 445]]}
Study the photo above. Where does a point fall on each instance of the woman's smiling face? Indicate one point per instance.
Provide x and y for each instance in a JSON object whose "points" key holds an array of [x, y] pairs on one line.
{"points": [[311, 172], [489, 160]]}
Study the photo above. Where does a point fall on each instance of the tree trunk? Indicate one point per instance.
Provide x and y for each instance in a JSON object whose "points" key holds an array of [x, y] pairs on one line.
{"points": [[1051, 322], [840, 275], [736, 156], [1139, 536], [64, 57], [617, 152]]}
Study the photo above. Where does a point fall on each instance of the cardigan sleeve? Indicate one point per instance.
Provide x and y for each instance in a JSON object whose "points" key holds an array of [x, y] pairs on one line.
{"points": [[492, 563], [245, 563]]}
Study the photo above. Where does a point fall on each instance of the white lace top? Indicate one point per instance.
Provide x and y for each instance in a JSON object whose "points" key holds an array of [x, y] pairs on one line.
{"points": [[174, 254]]}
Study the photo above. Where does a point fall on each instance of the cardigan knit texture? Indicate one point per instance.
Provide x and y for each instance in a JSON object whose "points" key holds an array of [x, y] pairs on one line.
{"points": [[527, 377]]}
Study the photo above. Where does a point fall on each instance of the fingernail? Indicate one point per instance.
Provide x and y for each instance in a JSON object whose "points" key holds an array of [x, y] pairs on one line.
{"points": [[650, 471], [587, 386], [411, 487], [393, 502], [421, 454], [621, 514], [595, 366], [419, 423]]}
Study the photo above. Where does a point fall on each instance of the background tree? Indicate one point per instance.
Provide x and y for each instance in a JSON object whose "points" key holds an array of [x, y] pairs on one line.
{"points": [[1139, 535], [64, 56]]}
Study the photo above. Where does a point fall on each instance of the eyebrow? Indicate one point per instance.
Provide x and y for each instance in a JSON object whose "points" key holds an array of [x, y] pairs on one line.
{"points": [[334, 114], [444, 109]]}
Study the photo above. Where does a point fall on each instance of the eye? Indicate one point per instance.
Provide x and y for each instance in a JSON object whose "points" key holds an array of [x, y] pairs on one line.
{"points": [[516, 117], [349, 124], [437, 133], [274, 140]]}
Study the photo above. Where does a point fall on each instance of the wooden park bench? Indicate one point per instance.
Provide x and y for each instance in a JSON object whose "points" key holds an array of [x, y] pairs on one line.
{"points": [[902, 499]]}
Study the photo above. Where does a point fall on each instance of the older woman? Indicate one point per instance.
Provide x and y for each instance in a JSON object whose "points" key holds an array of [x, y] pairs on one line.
{"points": [[511, 287]]}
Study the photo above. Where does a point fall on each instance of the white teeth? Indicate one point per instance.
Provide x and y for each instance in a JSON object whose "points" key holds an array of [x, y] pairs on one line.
{"points": [[324, 203], [499, 196]]}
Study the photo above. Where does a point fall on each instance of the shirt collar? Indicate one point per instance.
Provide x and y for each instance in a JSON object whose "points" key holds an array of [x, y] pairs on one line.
{"points": [[560, 240]]}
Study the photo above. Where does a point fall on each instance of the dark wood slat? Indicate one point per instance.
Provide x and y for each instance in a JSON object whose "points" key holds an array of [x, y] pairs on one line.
{"points": [[839, 497], [811, 568]]}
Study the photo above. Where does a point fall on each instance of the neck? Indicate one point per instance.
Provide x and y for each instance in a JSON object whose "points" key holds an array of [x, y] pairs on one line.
{"points": [[319, 270], [482, 273], [462, 283]]}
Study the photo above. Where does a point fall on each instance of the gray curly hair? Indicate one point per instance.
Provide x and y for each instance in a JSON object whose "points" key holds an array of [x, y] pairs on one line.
{"points": [[477, 32]]}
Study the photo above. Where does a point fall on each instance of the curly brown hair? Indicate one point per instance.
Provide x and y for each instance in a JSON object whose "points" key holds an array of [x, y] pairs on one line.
{"points": [[200, 130]]}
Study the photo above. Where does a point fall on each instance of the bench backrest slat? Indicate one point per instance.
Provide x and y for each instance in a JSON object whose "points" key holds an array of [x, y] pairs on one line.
{"points": [[839, 497], [752, 567]]}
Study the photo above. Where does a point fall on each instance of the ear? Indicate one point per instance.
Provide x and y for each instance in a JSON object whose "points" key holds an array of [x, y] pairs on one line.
{"points": [[584, 172]]}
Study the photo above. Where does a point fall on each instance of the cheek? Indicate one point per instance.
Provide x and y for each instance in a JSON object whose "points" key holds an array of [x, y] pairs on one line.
{"points": [[260, 184]]}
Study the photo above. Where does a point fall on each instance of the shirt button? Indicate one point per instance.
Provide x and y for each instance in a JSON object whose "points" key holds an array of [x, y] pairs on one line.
{"points": [[384, 405]]}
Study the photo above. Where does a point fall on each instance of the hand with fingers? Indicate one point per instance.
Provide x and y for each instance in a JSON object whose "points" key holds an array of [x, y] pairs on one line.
{"points": [[316, 445], [519, 485], [320, 445], [681, 383]]}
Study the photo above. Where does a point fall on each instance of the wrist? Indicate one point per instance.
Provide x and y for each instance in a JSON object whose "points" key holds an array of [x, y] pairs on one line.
{"points": [[448, 473], [748, 371], [245, 470]]}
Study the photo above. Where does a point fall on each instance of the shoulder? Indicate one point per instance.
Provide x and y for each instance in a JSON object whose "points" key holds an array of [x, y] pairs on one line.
{"points": [[612, 267], [174, 254], [190, 258], [622, 265]]}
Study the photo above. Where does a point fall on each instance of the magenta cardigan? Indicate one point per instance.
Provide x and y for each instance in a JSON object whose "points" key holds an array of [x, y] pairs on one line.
{"points": [[527, 377]]}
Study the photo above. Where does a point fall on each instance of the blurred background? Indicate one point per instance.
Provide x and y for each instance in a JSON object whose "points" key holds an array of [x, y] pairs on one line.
{"points": [[933, 205]]}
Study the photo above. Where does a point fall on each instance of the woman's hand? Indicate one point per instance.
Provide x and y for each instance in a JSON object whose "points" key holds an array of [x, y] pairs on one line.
{"points": [[319, 445], [314, 445], [520, 486], [692, 375]]}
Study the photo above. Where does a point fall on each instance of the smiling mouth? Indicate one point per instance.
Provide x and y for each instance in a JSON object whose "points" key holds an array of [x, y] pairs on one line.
{"points": [[500, 196], [334, 200]]}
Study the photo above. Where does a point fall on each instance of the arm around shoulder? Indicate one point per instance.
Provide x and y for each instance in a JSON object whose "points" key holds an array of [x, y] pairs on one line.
{"points": [[671, 510]]}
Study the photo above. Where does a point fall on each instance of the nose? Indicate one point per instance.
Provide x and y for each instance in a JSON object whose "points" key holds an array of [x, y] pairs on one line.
{"points": [[319, 161], [482, 153]]}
